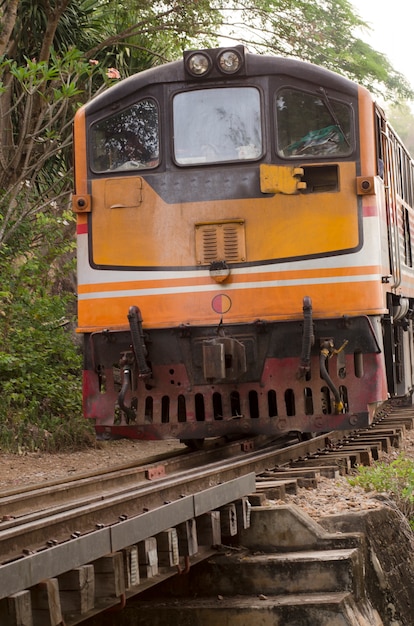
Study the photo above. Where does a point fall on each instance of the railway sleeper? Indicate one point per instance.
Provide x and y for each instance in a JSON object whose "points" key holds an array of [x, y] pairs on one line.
{"points": [[328, 471]]}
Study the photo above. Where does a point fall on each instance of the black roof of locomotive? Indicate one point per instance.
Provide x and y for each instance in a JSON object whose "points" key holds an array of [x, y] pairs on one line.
{"points": [[256, 65]]}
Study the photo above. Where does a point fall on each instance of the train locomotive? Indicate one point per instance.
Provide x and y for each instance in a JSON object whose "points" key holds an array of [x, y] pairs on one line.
{"points": [[245, 263]]}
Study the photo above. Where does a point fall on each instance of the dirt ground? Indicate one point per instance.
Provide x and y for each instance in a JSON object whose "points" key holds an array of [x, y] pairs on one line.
{"points": [[17, 470]]}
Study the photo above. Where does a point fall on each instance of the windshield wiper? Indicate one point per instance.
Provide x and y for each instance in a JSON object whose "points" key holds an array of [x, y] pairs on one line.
{"points": [[332, 113]]}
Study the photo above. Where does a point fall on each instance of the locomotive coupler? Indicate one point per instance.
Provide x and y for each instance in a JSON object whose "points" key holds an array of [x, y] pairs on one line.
{"points": [[224, 358]]}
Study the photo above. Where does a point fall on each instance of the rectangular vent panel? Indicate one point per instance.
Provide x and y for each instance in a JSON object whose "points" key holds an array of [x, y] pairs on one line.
{"points": [[220, 241]]}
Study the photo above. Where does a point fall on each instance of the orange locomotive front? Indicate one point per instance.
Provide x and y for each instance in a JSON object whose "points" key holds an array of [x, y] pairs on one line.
{"points": [[243, 262]]}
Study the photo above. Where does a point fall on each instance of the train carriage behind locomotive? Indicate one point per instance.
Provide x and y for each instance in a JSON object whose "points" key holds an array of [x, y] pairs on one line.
{"points": [[244, 250]]}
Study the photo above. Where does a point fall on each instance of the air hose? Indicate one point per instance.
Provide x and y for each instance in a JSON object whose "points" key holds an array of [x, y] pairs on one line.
{"points": [[126, 383], [307, 338], [138, 343], [325, 354]]}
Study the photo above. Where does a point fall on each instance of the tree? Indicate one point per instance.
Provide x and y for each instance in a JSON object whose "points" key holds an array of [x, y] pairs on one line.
{"points": [[318, 31], [44, 78]]}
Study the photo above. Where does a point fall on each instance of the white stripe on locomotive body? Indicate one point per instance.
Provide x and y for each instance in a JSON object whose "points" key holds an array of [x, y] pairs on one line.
{"points": [[229, 287], [368, 256]]}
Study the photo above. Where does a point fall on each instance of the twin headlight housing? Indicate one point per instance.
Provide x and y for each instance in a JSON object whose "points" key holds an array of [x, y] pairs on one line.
{"points": [[220, 61]]}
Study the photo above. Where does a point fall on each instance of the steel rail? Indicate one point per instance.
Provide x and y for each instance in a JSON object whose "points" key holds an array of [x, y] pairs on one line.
{"points": [[63, 509], [84, 514]]}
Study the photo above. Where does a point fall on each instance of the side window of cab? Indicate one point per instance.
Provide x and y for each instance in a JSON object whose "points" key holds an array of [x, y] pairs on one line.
{"points": [[128, 140]]}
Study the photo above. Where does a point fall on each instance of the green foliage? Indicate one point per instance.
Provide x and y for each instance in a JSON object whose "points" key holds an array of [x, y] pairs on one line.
{"points": [[40, 360], [36, 163], [324, 32], [396, 479]]}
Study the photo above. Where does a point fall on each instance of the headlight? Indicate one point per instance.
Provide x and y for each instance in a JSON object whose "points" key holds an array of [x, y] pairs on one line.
{"points": [[229, 61], [215, 63], [198, 64]]}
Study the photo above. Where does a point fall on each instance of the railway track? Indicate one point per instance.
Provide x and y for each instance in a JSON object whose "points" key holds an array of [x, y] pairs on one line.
{"points": [[48, 515], [97, 520]]}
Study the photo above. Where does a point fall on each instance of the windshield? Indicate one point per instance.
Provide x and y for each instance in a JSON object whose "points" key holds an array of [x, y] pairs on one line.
{"points": [[216, 125], [312, 125]]}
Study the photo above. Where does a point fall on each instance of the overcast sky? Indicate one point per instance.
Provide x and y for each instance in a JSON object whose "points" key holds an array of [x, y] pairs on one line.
{"points": [[392, 23]]}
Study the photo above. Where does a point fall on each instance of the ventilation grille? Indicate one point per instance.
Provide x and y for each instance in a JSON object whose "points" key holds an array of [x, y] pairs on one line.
{"points": [[220, 241]]}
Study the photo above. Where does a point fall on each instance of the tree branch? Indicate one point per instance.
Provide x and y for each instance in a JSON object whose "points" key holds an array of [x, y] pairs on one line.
{"points": [[7, 22]]}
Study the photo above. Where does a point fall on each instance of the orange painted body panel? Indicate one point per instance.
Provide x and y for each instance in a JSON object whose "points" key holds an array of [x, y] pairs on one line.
{"points": [[152, 233], [267, 303]]}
